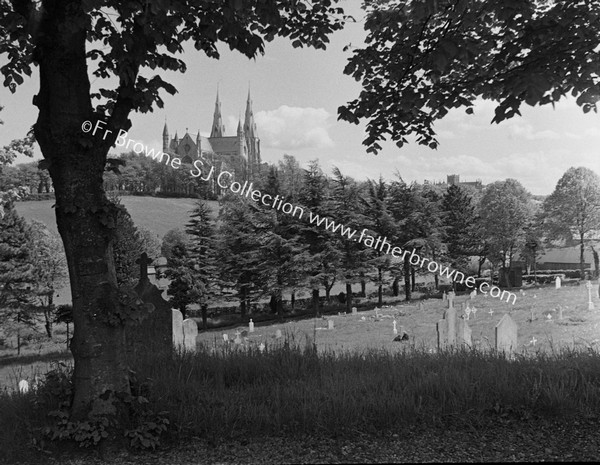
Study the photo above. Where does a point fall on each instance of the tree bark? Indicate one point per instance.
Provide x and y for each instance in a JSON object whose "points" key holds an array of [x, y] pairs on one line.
{"points": [[84, 216], [348, 298], [315, 302]]}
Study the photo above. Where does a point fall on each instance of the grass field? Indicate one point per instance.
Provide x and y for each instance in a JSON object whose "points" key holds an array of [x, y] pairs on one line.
{"points": [[579, 327], [157, 214]]}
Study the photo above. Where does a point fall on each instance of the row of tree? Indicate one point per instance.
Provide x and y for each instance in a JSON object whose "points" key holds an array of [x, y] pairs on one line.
{"points": [[260, 251]]}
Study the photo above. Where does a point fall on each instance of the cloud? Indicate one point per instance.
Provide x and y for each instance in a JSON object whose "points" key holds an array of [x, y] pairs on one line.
{"points": [[294, 128]]}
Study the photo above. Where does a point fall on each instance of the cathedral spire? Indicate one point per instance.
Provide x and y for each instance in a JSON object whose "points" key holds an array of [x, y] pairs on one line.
{"points": [[165, 136], [249, 124], [218, 128]]}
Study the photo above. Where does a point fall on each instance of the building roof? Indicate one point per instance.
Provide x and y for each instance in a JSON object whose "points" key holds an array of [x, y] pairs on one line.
{"points": [[565, 255], [225, 144]]}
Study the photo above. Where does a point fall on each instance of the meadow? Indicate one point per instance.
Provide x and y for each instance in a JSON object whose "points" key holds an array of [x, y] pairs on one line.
{"points": [[157, 214]]}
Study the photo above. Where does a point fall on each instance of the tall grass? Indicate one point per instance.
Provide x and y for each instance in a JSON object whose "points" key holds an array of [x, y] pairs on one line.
{"points": [[291, 390], [294, 390]]}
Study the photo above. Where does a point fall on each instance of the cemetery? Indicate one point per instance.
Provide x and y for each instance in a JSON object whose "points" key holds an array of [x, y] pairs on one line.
{"points": [[152, 314]]}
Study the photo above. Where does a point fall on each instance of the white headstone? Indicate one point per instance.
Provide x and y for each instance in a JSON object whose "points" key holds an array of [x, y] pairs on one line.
{"points": [[329, 324], [251, 326], [446, 329], [225, 338], [395, 329], [190, 333], [354, 310], [23, 386], [557, 282], [588, 285], [506, 335], [560, 313], [238, 339], [278, 334], [473, 294], [467, 313], [463, 333], [177, 319], [261, 347]]}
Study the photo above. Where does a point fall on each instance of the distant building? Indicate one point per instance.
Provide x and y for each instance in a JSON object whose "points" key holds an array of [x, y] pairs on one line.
{"points": [[238, 154], [454, 180]]}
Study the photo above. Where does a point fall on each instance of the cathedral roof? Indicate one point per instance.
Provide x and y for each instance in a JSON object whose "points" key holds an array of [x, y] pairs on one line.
{"points": [[225, 144]]}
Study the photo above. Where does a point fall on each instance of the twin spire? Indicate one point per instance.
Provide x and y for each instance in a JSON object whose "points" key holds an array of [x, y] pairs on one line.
{"points": [[249, 127], [218, 128]]}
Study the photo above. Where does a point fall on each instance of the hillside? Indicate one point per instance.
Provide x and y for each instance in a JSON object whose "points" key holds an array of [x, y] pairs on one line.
{"points": [[154, 213]]}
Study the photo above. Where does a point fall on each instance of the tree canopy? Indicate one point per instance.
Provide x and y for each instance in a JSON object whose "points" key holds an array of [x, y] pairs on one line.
{"points": [[423, 58]]}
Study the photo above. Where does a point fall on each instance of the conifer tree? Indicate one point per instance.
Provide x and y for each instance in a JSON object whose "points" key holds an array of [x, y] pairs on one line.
{"points": [[238, 248], [16, 273], [380, 223], [203, 254], [345, 200]]}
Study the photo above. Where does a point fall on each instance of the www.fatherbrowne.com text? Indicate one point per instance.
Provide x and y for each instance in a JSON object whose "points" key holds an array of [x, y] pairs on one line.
{"points": [[225, 180]]}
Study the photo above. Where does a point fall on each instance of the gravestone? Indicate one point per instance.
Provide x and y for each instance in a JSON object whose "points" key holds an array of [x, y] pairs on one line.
{"points": [[261, 347], [560, 313], [420, 306], [588, 286], [395, 329], [190, 333], [238, 339], [446, 329], [467, 313], [451, 296], [251, 326], [154, 334], [329, 324], [473, 294], [23, 386], [177, 328], [278, 334], [444, 297], [557, 282], [225, 338], [463, 333], [506, 335], [354, 310], [463, 306]]}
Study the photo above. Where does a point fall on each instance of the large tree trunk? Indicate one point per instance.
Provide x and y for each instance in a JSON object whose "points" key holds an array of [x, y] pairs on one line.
{"points": [[84, 216]]}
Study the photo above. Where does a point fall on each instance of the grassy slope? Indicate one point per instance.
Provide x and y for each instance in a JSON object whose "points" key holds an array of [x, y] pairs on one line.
{"points": [[156, 214]]}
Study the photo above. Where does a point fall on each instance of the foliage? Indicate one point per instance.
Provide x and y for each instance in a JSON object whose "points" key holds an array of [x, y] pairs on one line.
{"points": [[50, 265], [424, 58], [461, 222], [17, 273], [505, 212], [184, 289], [128, 246], [572, 211], [171, 239]]}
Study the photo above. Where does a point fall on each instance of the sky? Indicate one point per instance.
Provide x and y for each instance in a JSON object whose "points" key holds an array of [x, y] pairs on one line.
{"points": [[296, 93]]}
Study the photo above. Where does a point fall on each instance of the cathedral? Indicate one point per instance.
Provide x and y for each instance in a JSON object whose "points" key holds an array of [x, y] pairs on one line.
{"points": [[239, 154]]}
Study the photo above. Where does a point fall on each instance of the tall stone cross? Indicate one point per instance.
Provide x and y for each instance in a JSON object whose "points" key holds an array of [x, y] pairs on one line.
{"points": [[143, 261]]}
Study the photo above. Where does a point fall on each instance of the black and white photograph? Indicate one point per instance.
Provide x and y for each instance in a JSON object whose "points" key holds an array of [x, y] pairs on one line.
{"points": [[299, 231]]}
